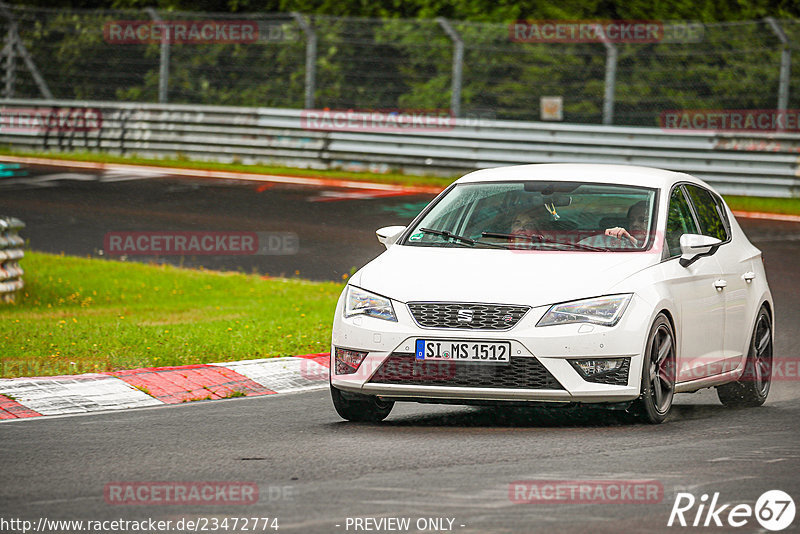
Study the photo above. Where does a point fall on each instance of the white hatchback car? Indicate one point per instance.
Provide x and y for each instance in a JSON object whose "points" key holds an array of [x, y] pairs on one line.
{"points": [[558, 284]]}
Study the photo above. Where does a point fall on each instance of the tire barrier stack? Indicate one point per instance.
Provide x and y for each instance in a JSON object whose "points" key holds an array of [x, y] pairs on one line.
{"points": [[10, 254]]}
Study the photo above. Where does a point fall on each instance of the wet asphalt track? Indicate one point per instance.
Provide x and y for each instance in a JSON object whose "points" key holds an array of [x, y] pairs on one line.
{"points": [[72, 211], [424, 461]]}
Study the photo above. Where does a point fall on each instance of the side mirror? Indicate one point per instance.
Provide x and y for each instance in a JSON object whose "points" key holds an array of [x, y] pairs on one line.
{"points": [[695, 246], [388, 235]]}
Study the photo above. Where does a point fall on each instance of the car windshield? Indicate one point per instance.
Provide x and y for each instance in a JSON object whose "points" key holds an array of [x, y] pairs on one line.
{"points": [[539, 215]]}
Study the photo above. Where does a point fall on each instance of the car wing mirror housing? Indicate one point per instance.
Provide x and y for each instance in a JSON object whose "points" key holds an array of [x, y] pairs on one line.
{"points": [[388, 235], [695, 246]]}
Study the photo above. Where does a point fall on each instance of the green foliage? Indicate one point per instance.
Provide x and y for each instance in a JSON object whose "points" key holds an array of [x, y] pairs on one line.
{"points": [[475, 10], [394, 62]]}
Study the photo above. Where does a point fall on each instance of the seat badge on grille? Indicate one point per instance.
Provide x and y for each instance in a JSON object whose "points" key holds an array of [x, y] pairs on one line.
{"points": [[465, 315]]}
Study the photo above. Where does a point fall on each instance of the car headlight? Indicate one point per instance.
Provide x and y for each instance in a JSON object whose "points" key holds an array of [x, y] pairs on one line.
{"points": [[606, 311], [361, 302]]}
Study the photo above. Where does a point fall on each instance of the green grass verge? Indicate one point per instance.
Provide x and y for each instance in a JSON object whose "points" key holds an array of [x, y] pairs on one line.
{"points": [[786, 206], [78, 315], [390, 178]]}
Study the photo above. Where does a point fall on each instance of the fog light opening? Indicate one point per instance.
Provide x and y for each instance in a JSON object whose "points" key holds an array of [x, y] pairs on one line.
{"points": [[348, 361], [597, 366]]}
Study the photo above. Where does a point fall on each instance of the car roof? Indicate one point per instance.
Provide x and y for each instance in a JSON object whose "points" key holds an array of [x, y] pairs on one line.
{"points": [[583, 172]]}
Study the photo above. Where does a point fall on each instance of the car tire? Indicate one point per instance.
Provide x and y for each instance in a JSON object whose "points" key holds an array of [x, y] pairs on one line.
{"points": [[752, 388], [360, 408], [658, 374]]}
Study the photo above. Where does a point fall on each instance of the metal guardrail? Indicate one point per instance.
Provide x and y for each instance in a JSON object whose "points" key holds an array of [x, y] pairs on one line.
{"points": [[763, 164], [10, 254]]}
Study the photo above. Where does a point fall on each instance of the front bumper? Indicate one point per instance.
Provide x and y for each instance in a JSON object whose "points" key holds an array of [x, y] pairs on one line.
{"points": [[549, 347]]}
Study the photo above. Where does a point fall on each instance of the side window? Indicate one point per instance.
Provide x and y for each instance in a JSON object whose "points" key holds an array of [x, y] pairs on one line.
{"points": [[708, 214], [679, 221], [724, 214]]}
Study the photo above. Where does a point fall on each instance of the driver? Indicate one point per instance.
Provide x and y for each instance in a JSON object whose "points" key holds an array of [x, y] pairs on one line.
{"points": [[637, 225], [527, 226], [524, 223]]}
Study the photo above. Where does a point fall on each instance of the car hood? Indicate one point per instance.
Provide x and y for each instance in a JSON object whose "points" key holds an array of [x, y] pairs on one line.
{"points": [[534, 278]]}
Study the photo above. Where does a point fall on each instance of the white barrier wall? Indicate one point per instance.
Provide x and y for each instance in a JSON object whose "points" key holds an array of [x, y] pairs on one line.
{"points": [[763, 164]]}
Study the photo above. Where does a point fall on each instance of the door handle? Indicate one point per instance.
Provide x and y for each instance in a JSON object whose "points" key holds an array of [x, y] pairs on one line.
{"points": [[748, 276], [720, 285]]}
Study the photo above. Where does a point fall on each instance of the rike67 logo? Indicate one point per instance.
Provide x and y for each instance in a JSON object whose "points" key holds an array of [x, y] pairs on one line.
{"points": [[774, 510]]}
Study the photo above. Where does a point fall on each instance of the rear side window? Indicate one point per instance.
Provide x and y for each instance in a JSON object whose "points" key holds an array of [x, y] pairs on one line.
{"points": [[708, 213], [679, 221]]}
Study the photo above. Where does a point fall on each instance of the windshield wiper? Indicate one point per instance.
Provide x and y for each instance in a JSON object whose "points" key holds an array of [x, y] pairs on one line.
{"points": [[450, 235], [542, 239], [539, 237]]}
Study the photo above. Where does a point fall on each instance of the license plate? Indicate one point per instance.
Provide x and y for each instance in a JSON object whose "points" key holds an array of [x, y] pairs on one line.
{"points": [[463, 351]]}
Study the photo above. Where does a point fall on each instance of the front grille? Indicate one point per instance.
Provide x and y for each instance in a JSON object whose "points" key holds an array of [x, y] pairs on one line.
{"points": [[481, 316], [520, 373], [618, 377]]}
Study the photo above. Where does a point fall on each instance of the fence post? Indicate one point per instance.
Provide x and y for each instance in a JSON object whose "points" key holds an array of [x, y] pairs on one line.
{"points": [[786, 64], [610, 82], [311, 59], [10, 64], [163, 67], [17, 43], [458, 65]]}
